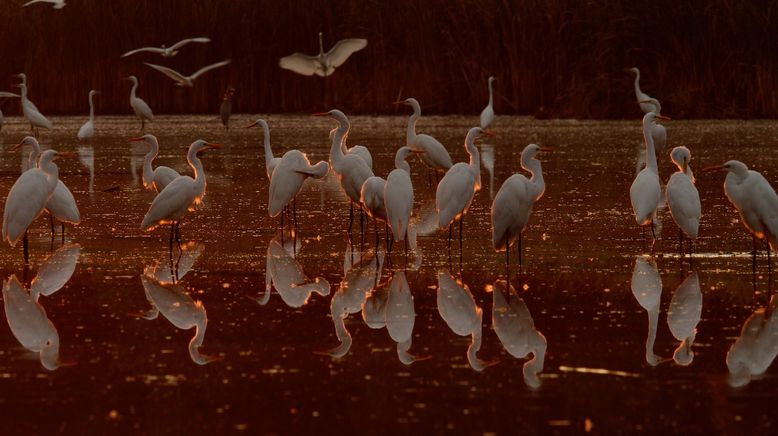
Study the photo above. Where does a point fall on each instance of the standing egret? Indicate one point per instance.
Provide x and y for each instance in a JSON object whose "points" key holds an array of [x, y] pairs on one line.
{"points": [[487, 115], [141, 109], [288, 178], [658, 131], [351, 170], [283, 272], [645, 192], [270, 162], [27, 199], [755, 199], [513, 203], [87, 131], [157, 178], [434, 153], [61, 205], [168, 51], [33, 115], [358, 150], [371, 198], [225, 110], [56, 4], [398, 196], [641, 96], [456, 189], [180, 196], [683, 198], [323, 64], [187, 81]]}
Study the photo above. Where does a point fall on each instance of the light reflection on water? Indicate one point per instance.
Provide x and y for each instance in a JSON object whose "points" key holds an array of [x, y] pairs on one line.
{"points": [[344, 334]]}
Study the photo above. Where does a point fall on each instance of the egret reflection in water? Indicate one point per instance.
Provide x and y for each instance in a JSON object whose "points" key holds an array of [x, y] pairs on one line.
{"points": [[684, 315], [647, 288], [27, 317], [170, 268], [513, 324], [286, 274], [757, 346], [463, 316]]}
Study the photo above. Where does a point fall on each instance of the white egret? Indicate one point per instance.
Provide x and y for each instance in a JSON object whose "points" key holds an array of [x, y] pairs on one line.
{"points": [[180, 196], [513, 324], [288, 178], [641, 97], [168, 51], [358, 150], [56, 4], [187, 81], [61, 205], [27, 199], [513, 203], [487, 115], [351, 170], [645, 192], [30, 112], [141, 109], [434, 153], [23, 77], [463, 316], [181, 310], [154, 179], [286, 274], [270, 162], [456, 189], [682, 196], [658, 131], [398, 196], [323, 64], [755, 200], [225, 109], [757, 346], [87, 131], [683, 316], [371, 198], [646, 287]]}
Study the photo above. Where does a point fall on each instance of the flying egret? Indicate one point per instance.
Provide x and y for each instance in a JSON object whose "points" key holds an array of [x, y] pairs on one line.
{"points": [[434, 153], [641, 97], [87, 131], [513, 324], [683, 198], [168, 51], [683, 315], [487, 115], [398, 196], [456, 189], [323, 64], [288, 178], [270, 162], [225, 110], [755, 200], [187, 81], [141, 109], [513, 203], [180, 196], [56, 4], [757, 346], [61, 205], [27, 199], [351, 170], [154, 179], [645, 192], [33, 115]]}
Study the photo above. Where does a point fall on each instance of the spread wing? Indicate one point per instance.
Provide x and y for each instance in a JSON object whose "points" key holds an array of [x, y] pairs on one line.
{"points": [[300, 63], [149, 49], [343, 49], [8, 94], [209, 68], [175, 75], [184, 42]]}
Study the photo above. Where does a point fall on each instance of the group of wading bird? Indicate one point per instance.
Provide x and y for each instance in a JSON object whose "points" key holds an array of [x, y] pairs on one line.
{"points": [[391, 200]]}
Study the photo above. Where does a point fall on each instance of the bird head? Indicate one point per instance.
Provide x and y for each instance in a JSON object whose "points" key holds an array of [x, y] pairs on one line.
{"points": [[733, 166], [147, 138], [258, 122], [28, 140], [336, 114], [632, 70], [408, 102], [200, 146]]}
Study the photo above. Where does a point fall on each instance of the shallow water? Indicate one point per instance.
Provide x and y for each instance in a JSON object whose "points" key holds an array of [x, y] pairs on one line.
{"points": [[599, 313]]}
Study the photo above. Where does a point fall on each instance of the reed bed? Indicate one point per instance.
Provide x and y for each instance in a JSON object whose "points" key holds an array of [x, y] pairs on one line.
{"points": [[558, 58]]}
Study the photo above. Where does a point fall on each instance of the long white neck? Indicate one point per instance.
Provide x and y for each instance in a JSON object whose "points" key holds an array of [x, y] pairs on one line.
{"points": [[268, 150], [339, 314], [401, 163], [650, 152], [148, 171], [134, 88], [410, 136], [199, 174], [197, 342], [475, 344], [490, 93], [638, 92], [336, 151], [534, 167], [35, 154], [52, 174], [91, 108], [475, 160]]}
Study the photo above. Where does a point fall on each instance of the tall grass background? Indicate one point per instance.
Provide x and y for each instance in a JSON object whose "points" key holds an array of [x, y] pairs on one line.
{"points": [[552, 58]]}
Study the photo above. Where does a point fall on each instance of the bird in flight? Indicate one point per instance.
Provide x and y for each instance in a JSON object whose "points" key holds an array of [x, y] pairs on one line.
{"points": [[187, 81], [323, 64], [165, 51], [56, 4]]}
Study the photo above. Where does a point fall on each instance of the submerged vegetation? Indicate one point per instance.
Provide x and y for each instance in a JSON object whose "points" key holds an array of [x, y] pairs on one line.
{"points": [[551, 58]]}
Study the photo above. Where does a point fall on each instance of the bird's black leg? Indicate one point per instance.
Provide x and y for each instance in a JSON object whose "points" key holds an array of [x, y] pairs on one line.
{"points": [[51, 221], [449, 240], [63, 232], [350, 221], [294, 213], [172, 232], [643, 229], [753, 255], [26, 246], [519, 250], [507, 260], [375, 227], [178, 235], [680, 242], [769, 266], [653, 236]]}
